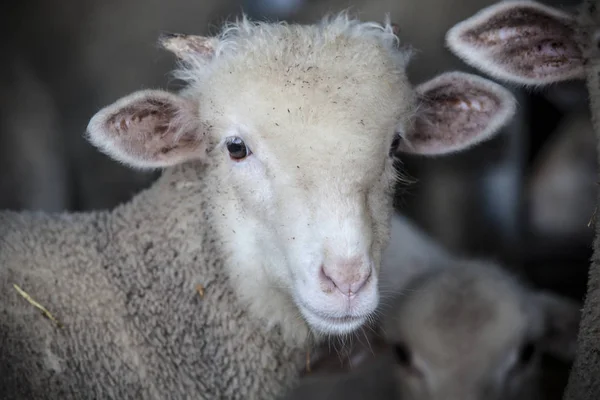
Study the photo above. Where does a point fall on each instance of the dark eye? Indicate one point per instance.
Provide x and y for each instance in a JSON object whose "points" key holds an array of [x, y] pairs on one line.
{"points": [[402, 355], [237, 149], [526, 353]]}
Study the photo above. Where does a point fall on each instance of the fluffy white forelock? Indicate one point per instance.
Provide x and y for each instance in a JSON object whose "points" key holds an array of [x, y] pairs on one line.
{"points": [[255, 39]]}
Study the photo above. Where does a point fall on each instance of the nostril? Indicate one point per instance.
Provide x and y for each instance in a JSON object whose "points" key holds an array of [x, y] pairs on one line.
{"points": [[327, 283], [356, 287]]}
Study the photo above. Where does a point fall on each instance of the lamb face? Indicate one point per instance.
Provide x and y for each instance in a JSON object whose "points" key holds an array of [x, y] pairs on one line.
{"points": [[473, 332], [308, 124], [299, 126]]}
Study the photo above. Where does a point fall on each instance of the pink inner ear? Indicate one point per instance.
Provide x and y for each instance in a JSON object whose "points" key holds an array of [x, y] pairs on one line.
{"points": [[528, 43], [149, 116], [546, 57], [518, 24], [554, 49], [154, 129], [449, 118]]}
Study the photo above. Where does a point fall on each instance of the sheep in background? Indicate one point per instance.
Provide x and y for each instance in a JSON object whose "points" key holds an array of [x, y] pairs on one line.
{"points": [[459, 329], [472, 331], [262, 236], [530, 44]]}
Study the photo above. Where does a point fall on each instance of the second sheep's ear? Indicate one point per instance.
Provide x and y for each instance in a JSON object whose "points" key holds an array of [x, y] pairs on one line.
{"points": [[456, 111], [521, 42], [149, 129]]}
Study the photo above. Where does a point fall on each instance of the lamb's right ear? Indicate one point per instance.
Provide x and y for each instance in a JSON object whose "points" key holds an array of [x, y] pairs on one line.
{"points": [[521, 42], [456, 111], [149, 129], [187, 47]]}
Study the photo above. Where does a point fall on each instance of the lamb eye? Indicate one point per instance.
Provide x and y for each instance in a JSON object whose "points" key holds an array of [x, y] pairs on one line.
{"points": [[237, 149], [402, 354]]}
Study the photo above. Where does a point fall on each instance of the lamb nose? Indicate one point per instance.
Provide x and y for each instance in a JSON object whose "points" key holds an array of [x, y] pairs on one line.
{"points": [[347, 277]]}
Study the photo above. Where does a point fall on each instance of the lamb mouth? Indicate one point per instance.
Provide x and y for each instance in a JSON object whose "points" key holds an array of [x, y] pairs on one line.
{"points": [[329, 324], [341, 320], [339, 325]]}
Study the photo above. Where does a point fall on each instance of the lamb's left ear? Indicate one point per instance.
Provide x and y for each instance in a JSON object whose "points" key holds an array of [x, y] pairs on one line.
{"points": [[149, 129], [561, 317], [455, 111]]}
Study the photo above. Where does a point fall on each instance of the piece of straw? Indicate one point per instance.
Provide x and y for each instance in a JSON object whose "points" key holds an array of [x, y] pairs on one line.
{"points": [[37, 305]]}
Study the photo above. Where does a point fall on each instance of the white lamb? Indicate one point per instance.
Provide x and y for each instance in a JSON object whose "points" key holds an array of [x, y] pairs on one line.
{"points": [[262, 236]]}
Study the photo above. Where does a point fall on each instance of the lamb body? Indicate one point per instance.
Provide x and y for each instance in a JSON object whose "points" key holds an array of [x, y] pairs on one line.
{"points": [[123, 284], [275, 198]]}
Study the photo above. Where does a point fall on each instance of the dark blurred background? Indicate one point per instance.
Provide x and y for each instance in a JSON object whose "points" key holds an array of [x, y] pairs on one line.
{"points": [[525, 198]]}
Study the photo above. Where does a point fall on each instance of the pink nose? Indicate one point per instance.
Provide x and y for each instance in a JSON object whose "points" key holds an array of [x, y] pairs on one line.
{"points": [[348, 276]]}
